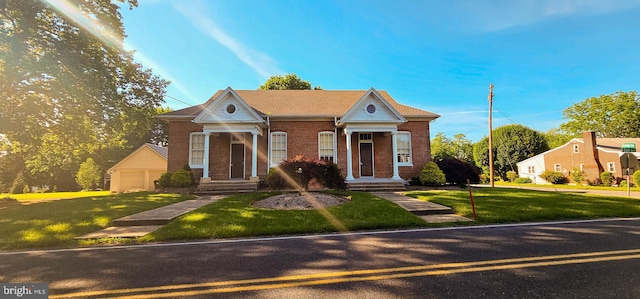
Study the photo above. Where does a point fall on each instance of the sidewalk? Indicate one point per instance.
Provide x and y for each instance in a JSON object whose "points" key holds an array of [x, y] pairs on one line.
{"points": [[621, 193], [140, 224], [430, 212]]}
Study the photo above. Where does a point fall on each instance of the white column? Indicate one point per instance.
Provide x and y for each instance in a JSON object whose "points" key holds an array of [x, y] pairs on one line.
{"points": [[349, 156], [254, 157], [394, 147], [205, 170]]}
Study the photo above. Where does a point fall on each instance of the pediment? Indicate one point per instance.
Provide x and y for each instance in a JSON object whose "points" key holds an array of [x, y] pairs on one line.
{"points": [[372, 108], [228, 107]]}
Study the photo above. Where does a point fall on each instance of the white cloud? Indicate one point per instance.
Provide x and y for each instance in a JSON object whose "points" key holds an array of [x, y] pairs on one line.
{"points": [[503, 14], [260, 62]]}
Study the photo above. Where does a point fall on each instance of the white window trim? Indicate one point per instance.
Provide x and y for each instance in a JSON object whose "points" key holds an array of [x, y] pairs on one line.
{"points": [[611, 165], [333, 145], [576, 148], [557, 168], [271, 148], [191, 150], [410, 163]]}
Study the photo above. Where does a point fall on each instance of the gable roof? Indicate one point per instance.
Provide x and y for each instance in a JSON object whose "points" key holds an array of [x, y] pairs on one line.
{"points": [[302, 104], [161, 151]]}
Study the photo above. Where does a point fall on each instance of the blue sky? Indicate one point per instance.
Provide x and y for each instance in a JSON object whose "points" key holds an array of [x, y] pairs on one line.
{"points": [[542, 56]]}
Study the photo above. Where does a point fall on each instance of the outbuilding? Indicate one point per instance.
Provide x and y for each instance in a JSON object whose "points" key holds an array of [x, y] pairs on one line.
{"points": [[139, 170]]}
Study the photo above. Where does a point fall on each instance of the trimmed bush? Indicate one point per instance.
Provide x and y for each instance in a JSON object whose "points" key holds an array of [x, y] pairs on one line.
{"points": [[301, 170], [88, 175], [606, 178], [181, 178], [553, 177], [523, 181], [512, 175], [431, 175], [457, 172], [165, 179], [576, 175], [188, 168], [623, 183], [636, 177]]}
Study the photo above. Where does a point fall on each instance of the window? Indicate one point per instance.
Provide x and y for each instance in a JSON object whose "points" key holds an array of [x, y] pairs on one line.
{"points": [[531, 169], [403, 142], [556, 167], [278, 148], [365, 136], [581, 167], [576, 149], [611, 167], [196, 150], [371, 108], [325, 146]]}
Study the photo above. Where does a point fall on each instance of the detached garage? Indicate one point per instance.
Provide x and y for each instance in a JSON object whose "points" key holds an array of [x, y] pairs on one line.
{"points": [[138, 170]]}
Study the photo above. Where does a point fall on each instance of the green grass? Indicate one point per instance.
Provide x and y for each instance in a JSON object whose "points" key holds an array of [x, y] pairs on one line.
{"points": [[236, 217], [503, 205], [53, 195], [566, 186], [57, 223]]}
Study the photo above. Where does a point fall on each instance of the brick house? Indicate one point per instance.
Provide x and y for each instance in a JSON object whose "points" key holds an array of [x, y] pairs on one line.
{"points": [[238, 135], [590, 154]]}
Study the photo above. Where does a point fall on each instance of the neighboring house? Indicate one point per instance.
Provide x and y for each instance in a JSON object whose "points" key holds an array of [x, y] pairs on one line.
{"points": [[241, 134], [590, 154], [139, 170]]}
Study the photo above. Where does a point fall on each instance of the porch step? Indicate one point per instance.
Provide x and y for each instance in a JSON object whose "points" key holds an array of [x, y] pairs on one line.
{"points": [[377, 186], [227, 187]]}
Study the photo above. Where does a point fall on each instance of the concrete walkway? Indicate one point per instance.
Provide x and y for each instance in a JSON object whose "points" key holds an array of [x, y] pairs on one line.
{"points": [[140, 224], [430, 212]]}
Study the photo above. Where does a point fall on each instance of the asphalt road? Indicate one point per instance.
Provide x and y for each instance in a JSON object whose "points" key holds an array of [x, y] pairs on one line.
{"points": [[598, 259]]}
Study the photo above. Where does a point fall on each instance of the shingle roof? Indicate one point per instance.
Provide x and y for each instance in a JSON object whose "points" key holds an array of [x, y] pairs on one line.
{"points": [[163, 151], [303, 103]]}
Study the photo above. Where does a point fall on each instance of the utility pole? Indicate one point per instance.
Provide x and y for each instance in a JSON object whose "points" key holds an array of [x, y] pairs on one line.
{"points": [[491, 135]]}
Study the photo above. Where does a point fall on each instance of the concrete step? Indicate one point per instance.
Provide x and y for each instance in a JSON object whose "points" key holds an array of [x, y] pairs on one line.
{"points": [[227, 187], [376, 186]]}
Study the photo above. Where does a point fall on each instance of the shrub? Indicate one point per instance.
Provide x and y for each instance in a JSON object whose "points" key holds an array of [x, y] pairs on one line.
{"points": [[636, 177], [431, 175], [88, 175], [18, 185], [286, 175], [165, 179], [188, 169], [181, 178], [576, 175], [512, 175], [523, 181], [457, 171], [606, 178], [553, 177], [623, 183]]}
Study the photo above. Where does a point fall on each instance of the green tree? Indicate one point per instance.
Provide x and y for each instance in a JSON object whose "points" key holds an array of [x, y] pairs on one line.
{"points": [[69, 92], [88, 175], [459, 148], [615, 115], [511, 144], [555, 138], [288, 81]]}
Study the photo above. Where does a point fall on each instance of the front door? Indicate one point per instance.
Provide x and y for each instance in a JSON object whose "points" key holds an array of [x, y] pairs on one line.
{"points": [[237, 160], [366, 159]]}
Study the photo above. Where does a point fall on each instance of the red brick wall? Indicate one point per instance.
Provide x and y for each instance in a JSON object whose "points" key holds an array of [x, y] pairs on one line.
{"points": [[302, 139], [569, 160]]}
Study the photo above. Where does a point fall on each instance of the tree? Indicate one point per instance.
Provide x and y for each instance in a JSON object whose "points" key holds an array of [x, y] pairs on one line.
{"points": [[512, 144], [459, 148], [555, 138], [69, 91], [289, 81], [88, 175], [615, 115], [457, 171]]}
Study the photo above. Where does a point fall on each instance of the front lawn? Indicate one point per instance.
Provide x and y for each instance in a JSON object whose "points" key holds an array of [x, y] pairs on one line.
{"points": [[504, 205], [236, 217], [53, 195], [57, 223]]}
